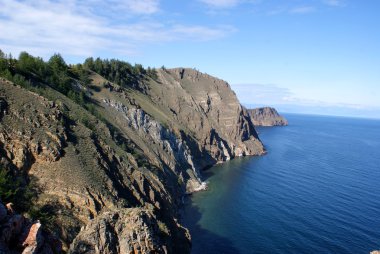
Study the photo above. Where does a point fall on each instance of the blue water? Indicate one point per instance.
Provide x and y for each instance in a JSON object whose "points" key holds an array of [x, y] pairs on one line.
{"points": [[316, 191]]}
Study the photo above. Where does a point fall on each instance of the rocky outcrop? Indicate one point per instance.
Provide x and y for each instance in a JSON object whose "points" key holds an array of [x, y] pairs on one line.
{"points": [[20, 235], [172, 150], [267, 117], [132, 230]]}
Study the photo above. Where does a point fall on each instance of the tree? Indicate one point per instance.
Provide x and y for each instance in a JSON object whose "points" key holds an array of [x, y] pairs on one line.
{"points": [[3, 62], [25, 62], [89, 63], [57, 64]]}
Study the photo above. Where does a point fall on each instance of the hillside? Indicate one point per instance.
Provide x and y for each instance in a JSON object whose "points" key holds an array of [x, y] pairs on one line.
{"points": [[109, 149], [267, 116]]}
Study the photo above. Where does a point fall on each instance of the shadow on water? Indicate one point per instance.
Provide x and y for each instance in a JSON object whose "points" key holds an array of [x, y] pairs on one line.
{"points": [[221, 178], [203, 240]]}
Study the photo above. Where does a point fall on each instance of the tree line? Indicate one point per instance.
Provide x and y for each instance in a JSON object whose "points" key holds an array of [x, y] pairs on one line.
{"points": [[29, 71]]}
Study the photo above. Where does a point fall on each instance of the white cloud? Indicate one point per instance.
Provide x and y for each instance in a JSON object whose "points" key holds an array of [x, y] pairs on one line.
{"points": [[146, 7], [269, 94], [224, 4], [202, 33], [125, 7], [334, 2], [261, 93], [84, 28], [302, 10], [308, 7], [221, 3]]}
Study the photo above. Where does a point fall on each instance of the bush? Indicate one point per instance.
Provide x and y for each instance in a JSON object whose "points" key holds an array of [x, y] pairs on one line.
{"points": [[13, 189], [8, 188]]}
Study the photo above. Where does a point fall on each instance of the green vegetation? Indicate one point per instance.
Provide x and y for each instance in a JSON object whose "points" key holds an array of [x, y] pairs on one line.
{"points": [[8, 187], [22, 193], [119, 72], [15, 189], [33, 73]]}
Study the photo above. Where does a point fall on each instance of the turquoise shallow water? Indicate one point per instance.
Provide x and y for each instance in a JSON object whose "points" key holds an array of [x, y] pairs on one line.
{"points": [[316, 191]]}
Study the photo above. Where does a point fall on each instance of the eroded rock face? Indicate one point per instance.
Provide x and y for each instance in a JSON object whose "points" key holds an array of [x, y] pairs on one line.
{"points": [[170, 150], [126, 231], [30, 128], [267, 117], [210, 110], [175, 150]]}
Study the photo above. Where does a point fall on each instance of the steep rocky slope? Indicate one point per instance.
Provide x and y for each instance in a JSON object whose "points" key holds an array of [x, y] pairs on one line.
{"points": [[112, 174], [267, 117]]}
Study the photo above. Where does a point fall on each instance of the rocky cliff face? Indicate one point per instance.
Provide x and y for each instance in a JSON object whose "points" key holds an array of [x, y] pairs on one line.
{"points": [[114, 178], [206, 113], [267, 117]]}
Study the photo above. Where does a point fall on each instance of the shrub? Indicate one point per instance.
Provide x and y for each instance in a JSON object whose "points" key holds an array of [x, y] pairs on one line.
{"points": [[8, 188]]}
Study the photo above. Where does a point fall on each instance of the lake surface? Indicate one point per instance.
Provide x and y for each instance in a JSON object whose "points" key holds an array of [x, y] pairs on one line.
{"points": [[316, 191]]}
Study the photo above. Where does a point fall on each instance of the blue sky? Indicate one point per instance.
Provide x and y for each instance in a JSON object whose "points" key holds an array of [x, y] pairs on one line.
{"points": [[306, 56]]}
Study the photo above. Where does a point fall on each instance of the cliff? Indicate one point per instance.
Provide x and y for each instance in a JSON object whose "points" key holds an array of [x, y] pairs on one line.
{"points": [[266, 117], [111, 169]]}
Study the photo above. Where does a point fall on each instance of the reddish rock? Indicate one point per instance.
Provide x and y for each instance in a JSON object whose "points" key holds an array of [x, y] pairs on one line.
{"points": [[9, 208], [34, 239]]}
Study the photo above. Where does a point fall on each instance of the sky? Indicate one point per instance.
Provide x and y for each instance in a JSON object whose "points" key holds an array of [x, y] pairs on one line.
{"points": [[302, 56]]}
